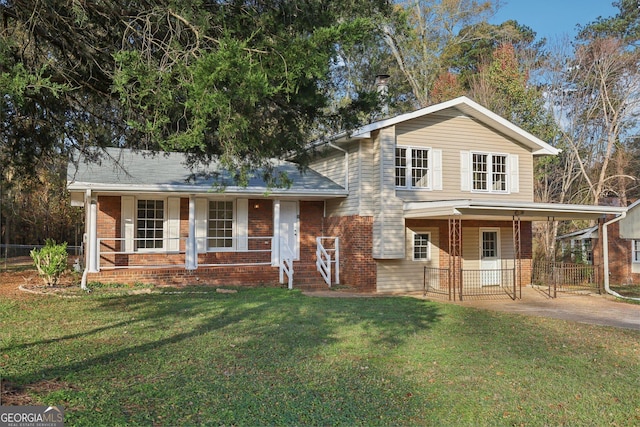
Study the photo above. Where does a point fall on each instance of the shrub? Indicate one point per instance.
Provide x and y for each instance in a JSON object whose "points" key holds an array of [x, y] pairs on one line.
{"points": [[51, 261]]}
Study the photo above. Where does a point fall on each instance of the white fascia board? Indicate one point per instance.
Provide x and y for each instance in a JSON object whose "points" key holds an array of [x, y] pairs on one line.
{"points": [[187, 189], [550, 207], [527, 209]]}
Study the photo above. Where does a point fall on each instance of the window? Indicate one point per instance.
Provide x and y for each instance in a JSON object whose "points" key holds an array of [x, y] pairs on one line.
{"points": [[401, 167], [635, 249], [413, 163], [421, 248], [587, 247], [150, 222], [489, 172], [499, 181], [220, 224], [489, 244]]}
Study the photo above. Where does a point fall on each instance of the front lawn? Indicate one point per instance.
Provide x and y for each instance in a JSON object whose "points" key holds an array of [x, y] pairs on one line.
{"points": [[269, 356]]}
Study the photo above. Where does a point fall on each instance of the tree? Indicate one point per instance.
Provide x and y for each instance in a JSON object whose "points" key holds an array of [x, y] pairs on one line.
{"points": [[237, 79], [604, 86], [625, 25], [421, 31], [480, 42]]}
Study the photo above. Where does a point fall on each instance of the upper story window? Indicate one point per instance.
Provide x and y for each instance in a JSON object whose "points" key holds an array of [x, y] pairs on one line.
{"points": [[489, 172], [220, 224], [150, 224], [412, 167]]}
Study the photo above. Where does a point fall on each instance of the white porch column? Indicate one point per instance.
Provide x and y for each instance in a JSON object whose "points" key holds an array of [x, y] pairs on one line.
{"points": [[191, 250], [275, 244], [93, 234]]}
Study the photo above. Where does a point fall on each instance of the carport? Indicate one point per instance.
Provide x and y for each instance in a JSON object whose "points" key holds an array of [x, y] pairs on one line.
{"points": [[464, 272]]}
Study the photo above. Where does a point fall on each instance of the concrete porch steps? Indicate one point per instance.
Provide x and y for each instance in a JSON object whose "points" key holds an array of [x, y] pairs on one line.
{"points": [[307, 277]]}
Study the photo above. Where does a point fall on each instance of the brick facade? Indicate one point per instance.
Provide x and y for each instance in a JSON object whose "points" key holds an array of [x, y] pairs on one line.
{"points": [[260, 220], [620, 253], [357, 266]]}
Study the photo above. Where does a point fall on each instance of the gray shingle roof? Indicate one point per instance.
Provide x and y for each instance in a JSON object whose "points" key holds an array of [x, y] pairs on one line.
{"points": [[127, 170]]}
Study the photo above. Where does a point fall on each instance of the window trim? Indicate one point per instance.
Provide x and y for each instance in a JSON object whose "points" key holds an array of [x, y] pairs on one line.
{"points": [[490, 173], [408, 167], [413, 245], [136, 239], [234, 231]]}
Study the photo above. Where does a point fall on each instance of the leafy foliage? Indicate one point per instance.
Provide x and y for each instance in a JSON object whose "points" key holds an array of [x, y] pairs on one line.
{"points": [[50, 261], [242, 80]]}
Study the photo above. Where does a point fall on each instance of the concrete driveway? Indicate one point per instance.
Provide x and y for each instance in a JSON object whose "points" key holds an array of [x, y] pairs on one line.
{"points": [[584, 308]]}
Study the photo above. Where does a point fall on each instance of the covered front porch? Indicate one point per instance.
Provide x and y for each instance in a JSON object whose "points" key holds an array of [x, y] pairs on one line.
{"points": [[209, 239], [486, 247]]}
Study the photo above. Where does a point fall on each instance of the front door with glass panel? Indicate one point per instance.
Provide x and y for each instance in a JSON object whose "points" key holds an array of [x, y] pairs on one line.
{"points": [[490, 257], [289, 226]]}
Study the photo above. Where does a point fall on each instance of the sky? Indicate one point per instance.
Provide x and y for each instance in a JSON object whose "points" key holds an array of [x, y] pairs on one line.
{"points": [[554, 18]]}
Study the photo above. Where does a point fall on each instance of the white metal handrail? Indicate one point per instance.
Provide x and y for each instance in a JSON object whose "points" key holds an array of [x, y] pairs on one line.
{"points": [[324, 259], [286, 263]]}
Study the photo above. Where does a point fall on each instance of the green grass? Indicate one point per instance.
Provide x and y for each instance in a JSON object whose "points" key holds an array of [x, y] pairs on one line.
{"points": [[269, 356]]}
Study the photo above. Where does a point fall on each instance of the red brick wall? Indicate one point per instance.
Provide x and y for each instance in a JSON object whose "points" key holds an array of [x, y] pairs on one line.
{"points": [[357, 266], [260, 218], [620, 252]]}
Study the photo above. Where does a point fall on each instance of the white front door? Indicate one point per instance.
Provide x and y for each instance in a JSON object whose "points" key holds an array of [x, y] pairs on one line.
{"points": [[289, 225], [490, 256]]}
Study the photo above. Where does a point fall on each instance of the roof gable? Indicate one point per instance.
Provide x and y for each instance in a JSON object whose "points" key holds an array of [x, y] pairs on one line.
{"points": [[469, 108]]}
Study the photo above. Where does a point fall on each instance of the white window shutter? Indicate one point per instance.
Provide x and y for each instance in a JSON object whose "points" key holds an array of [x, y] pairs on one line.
{"points": [[514, 173], [128, 214], [202, 219], [242, 224], [465, 171], [436, 168], [173, 224]]}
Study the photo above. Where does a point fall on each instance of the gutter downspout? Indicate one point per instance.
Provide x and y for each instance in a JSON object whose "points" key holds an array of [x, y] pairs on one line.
{"points": [[346, 164], [605, 256]]}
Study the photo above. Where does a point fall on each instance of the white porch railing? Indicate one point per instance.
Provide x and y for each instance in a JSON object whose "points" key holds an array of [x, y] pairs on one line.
{"points": [[324, 258], [286, 263], [110, 253]]}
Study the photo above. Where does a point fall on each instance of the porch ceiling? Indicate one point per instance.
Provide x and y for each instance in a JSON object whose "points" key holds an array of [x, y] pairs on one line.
{"points": [[489, 210]]}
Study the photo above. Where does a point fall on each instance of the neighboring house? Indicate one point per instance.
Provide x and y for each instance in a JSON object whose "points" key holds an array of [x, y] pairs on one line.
{"points": [[578, 246], [444, 192], [623, 246]]}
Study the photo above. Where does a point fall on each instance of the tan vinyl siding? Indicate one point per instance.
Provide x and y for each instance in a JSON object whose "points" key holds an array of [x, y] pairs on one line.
{"points": [[630, 226], [365, 178], [331, 163], [388, 218], [452, 133], [405, 275]]}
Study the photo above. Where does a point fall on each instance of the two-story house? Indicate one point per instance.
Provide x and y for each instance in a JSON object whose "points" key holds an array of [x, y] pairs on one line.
{"points": [[448, 187]]}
